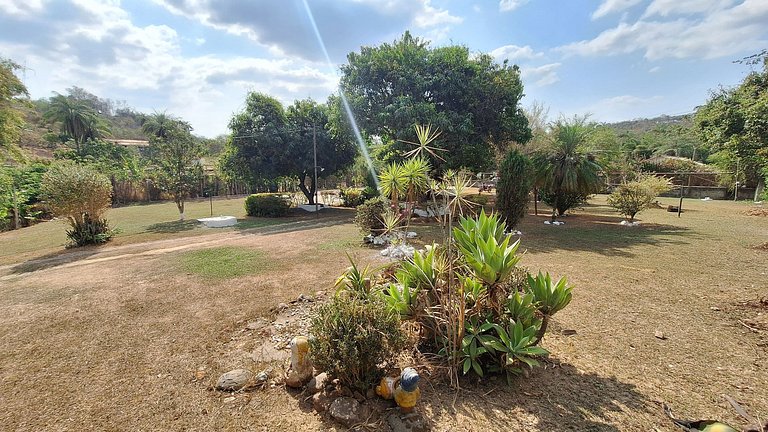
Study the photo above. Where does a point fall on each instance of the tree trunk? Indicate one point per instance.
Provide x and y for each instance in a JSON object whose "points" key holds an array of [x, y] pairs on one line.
{"points": [[309, 193], [759, 189], [555, 204], [16, 221]]}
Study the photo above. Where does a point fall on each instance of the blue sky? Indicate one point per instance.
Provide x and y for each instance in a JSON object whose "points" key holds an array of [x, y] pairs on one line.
{"points": [[197, 59]]}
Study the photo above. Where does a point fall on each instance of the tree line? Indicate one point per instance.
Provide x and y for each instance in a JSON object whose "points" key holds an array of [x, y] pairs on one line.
{"points": [[474, 101]]}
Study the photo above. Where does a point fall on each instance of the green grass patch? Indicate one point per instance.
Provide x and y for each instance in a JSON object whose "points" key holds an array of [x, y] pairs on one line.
{"points": [[225, 262], [135, 224]]}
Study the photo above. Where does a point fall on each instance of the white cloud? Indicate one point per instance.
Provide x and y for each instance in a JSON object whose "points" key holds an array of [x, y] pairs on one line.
{"points": [[22, 7], [726, 31], [541, 76], [105, 53], [510, 5], [654, 69], [685, 7], [430, 17], [282, 25], [514, 52], [608, 7]]}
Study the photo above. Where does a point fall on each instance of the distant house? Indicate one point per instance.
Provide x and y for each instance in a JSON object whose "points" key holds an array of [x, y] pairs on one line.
{"points": [[129, 142]]}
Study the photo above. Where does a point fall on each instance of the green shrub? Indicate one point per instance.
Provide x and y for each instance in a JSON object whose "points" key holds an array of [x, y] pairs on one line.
{"points": [[351, 337], [631, 198], [353, 197], [369, 215], [480, 200], [266, 205], [514, 185], [80, 194]]}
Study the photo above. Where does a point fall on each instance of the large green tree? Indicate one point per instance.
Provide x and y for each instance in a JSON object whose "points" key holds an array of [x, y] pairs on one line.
{"points": [[473, 100], [734, 121], [273, 142], [12, 92]]}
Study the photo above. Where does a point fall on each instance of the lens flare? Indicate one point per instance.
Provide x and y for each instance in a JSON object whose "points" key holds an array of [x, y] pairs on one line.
{"points": [[347, 109]]}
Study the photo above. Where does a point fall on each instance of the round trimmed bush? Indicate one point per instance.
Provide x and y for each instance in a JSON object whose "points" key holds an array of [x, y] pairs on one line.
{"points": [[266, 205], [80, 194]]}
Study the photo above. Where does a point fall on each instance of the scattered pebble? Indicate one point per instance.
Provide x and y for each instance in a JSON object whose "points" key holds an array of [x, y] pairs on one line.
{"points": [[660, 335]]}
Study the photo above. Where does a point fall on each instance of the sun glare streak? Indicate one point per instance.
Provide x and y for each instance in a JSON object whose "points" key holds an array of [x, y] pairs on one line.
{"points": [[347, 109]]}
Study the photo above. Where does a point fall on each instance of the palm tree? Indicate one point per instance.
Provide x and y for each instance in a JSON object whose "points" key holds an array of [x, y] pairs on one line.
{"points": [[161, 125], [563, 170], [78, 120]]}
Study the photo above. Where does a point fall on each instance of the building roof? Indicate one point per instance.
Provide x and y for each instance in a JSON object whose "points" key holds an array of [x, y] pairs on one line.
{"points": [[130, 142]]}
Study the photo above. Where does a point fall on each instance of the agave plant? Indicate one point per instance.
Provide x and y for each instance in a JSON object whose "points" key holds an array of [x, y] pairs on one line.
{"points": [[518, 343], [550, 298], [521, 307], [400, 298], [473, 289], [425, 268], [475, 344], [354, 281], [486, 248]]}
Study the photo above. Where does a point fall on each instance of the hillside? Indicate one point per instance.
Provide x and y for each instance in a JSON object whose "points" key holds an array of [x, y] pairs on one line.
{"points": [[647, 125]]}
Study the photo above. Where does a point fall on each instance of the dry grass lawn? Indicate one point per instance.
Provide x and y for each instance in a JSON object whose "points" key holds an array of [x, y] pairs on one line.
{"points": [[130, 337]]}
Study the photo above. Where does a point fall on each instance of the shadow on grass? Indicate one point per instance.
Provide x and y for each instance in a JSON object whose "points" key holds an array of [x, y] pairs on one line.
{"points": [[297, 220], [55, 259], [173, 227], [599, 234], [557, 398]]}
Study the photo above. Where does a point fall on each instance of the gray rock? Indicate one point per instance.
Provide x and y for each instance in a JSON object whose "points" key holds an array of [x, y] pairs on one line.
{"points": [[413, 422], [318, 383], [321, 401], [234, 380], [345, 410]]}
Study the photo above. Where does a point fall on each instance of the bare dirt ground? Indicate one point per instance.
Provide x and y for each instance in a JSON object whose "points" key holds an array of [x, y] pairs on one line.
{"points": [[120, 338]]}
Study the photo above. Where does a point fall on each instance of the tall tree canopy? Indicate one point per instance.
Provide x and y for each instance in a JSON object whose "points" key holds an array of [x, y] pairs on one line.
{"points": [[12, 90], [472, 99], [271, 141], [735, 122]]}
